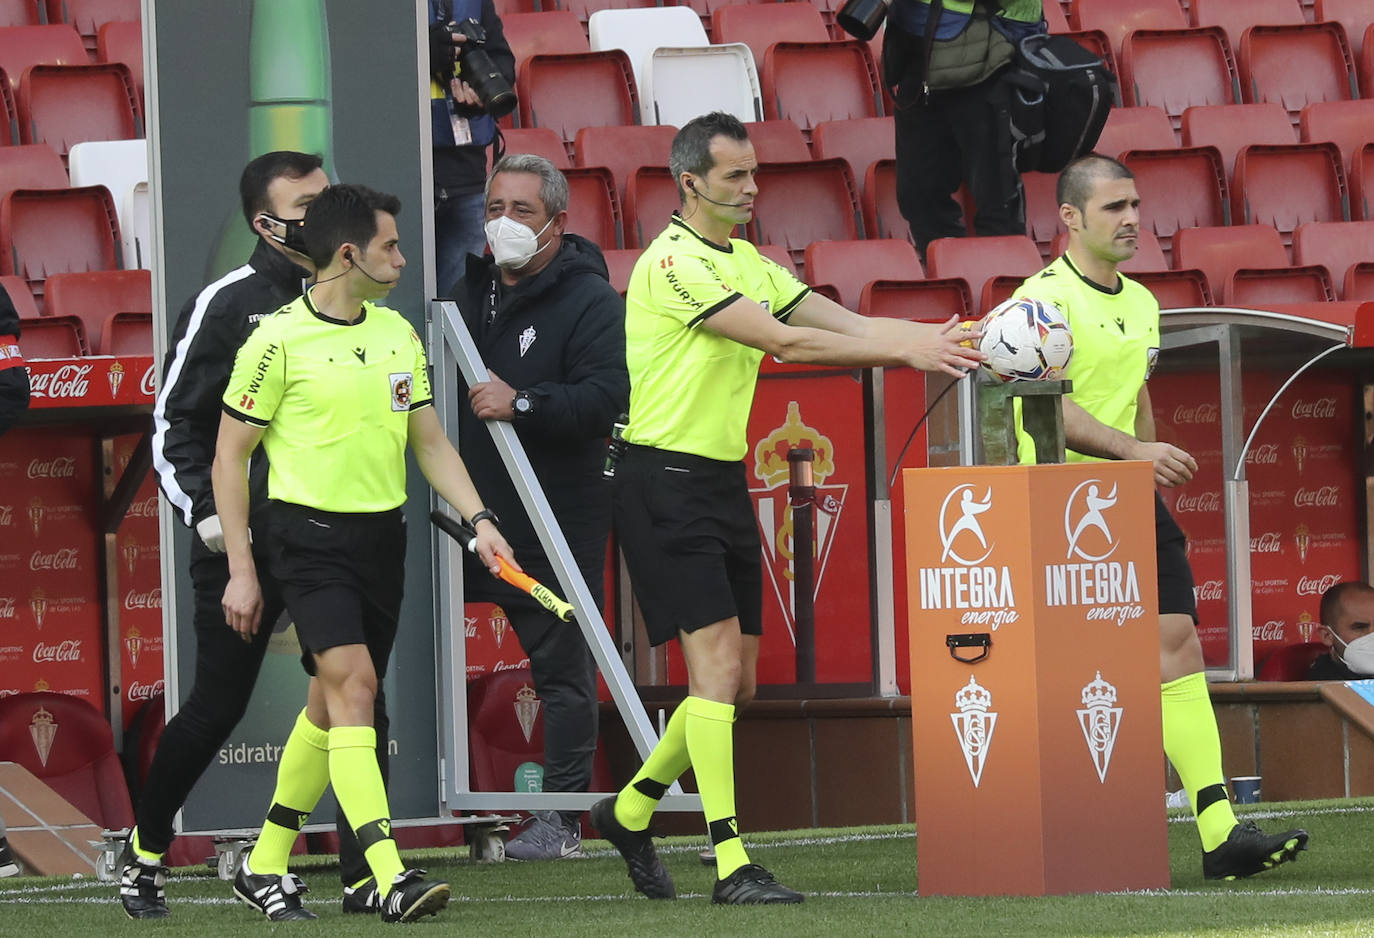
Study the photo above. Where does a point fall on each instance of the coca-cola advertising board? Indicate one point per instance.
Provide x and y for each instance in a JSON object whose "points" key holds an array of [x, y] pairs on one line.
{"points": [[1304, 499], [139, 592], [102, 381], [50, 610]]}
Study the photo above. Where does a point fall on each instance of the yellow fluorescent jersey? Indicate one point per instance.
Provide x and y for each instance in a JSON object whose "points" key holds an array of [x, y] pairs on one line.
{"points": [[690, 388], [1115, 345], [335, 399]]}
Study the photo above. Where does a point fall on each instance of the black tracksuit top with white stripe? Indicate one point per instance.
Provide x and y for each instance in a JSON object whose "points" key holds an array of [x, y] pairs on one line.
{"points": [[200, 357]]}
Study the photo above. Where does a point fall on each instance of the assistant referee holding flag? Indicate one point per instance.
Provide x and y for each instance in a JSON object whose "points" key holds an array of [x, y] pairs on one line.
{"points": [[334, 387], [701, 312]]}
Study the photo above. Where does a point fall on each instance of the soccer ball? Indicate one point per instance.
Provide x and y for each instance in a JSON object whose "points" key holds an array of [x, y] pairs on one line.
{"points": [[1026, 340]]}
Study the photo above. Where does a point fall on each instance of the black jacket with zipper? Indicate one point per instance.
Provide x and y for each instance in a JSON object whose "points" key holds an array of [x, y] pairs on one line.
{"points": [[559, 335]]}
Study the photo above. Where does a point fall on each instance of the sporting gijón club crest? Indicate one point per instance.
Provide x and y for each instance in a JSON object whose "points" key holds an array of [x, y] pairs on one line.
{"points": [[774, 514]]}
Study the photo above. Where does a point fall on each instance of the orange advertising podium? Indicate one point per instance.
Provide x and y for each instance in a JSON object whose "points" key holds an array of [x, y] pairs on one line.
{"points": [[1035, 710]]}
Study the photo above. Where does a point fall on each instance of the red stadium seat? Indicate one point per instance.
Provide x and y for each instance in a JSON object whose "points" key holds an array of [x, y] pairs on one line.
{"points": [[861, 142], [24, 46], [1181, 188], [21, 13], [1348, 124], [1236, 16], [63, 105], [619, 264], [79, 761], [569, 92], [54, 231], [550, 33], [508, 8], [95, 297], [126, 334], [1296, 65], [9, 113], [53, 337], [1135, 128], [583, 9], [759, 26], [1258, 289], [849, 265], [814, 82], [123, 42], [1291, 662], [89, 15], [35, 166], [779, 255], [1042, 209], [540, 141], [1119, 18], [1365, 65], [777, 141], [1359, 283], [799, 203], [1178, 69], [498, 744], [1176, 289], [882, 216], [623, 149], [1355, 16], [1334, 245], [651, 197], [1220, 252], [921, 300], [1285, 186], [1362, 183], [1094, 40], [18, 290], [1228, 127], [978, 261], [594, 206]]}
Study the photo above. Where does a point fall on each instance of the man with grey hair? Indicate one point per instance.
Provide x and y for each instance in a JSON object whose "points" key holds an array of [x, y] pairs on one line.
{"points": [[551, 331]]}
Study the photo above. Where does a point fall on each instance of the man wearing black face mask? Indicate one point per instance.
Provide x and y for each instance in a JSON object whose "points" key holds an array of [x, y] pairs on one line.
{"points": [[275, 189], [551, 330]]}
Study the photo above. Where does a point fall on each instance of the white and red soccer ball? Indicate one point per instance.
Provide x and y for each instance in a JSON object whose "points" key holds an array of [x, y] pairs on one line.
{"points": [[1026, 339]]}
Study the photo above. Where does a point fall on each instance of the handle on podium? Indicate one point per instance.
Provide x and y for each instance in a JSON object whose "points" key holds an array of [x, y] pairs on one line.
{"points": [[981, 640]]}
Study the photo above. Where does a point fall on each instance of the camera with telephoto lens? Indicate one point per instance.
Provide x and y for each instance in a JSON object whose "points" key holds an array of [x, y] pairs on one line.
{"points": [[861, 18], [480, 72]]}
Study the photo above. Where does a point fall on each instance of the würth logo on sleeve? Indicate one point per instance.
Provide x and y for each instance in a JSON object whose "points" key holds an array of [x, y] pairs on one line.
{"points": [[401, 383]]}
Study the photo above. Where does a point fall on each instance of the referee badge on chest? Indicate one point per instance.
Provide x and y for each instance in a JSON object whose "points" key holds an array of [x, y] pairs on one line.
{"points": [[400, 390]]}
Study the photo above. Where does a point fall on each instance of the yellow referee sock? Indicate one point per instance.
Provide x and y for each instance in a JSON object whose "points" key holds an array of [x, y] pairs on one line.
{"points": [[139, 852], [302, 776], [635, 803], [358, 785], [1193, 745], [711, 745]]}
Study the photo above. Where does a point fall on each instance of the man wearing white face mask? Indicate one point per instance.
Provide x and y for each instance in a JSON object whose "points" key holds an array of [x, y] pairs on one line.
{"points": [[551, 331], [1347, 612]]}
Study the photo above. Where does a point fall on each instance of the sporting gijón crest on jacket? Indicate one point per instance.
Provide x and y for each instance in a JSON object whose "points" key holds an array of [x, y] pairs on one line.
{"points": [[560, 336]]}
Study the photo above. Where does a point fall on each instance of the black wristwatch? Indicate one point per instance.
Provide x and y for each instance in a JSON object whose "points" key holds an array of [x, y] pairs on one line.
{"points": [[523, 404], [486, 514]]}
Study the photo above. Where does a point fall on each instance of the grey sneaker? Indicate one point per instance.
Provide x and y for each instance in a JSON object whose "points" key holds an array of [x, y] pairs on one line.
{"points": [[545, 837]]}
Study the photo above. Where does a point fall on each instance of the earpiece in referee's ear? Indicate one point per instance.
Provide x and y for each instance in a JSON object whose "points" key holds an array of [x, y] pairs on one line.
{"points": [[348, 255]]}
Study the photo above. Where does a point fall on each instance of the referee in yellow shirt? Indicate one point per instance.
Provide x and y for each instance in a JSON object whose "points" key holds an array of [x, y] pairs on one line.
{"points": [[1115, 324], [702, 310], [334, 387]]}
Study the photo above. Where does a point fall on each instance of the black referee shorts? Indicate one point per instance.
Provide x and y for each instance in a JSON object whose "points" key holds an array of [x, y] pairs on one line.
{"points": [[342, 577], [1176, 595], [686, 527]]}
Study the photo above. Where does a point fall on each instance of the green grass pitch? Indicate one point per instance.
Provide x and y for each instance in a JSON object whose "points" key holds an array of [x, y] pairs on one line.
{"points": [[859, 882]]}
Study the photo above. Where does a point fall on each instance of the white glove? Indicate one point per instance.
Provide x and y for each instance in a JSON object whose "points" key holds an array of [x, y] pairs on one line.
{"points": [[211, 534]]}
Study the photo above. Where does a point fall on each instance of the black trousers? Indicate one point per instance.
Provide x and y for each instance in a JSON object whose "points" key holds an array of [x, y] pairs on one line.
{"points": [[561, 664], [14, 395], [226, 671], [957, 136]]}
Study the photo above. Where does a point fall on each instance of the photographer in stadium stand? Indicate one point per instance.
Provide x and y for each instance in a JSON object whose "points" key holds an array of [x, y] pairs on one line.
{"points": [[1115, 324], [335, 387], [274, 190], [701, 312]]}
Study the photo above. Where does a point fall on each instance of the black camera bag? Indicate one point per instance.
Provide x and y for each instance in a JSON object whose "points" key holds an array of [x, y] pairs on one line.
{"points": [[1060, 96]]}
